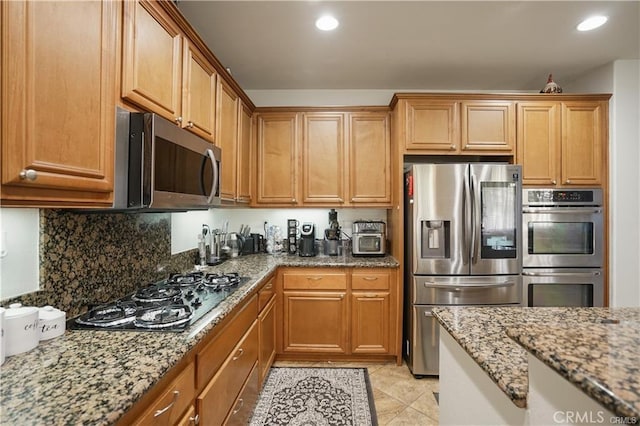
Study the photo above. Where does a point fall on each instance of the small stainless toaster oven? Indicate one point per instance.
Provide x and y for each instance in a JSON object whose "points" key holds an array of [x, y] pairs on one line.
{"points": [[369, 238]]}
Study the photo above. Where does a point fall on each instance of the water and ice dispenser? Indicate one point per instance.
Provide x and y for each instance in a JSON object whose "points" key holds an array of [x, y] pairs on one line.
{"points": [[435, 242]]}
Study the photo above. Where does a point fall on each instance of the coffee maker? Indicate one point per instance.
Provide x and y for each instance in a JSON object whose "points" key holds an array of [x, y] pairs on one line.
{"points": [[332, 235], [307, 240]]}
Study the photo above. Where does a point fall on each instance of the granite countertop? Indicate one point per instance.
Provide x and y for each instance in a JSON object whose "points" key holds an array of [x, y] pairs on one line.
{"points": [[94, 377], [577, 340]]}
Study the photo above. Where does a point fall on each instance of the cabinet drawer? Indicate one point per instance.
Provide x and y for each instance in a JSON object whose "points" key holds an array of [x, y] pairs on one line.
{"points": [[174, 401], [265, 294], [315, 281], [218, 397], [214, 354], [240, 414], [375, 280]]}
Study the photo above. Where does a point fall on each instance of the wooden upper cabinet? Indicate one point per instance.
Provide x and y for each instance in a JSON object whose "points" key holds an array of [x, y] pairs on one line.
{"points": [[152, 59], [245, 157], [277, 144], [562, 143], [199, 93], [432, 125], [369, 168], [488, 126], [583, 136], [538, 135], [323, 158], [58, 102], [227, 138]]}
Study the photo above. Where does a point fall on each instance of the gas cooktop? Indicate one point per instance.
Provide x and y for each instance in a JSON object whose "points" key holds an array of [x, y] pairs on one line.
{"points": [[172, 304]]}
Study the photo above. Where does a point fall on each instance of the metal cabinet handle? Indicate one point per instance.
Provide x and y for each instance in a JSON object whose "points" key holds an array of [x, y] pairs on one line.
{"points": [[241, 403], [293, 200], [190, 124], [268, 286], [168, 407], [567, 181], [178, 120], [554, 182], [314, 278], [28, 174], [195, 419], [370, 278], [453, 147], [240, 353], [371, 295]]}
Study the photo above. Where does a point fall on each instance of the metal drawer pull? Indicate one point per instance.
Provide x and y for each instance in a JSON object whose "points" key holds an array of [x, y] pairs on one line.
{"points": [[168, 407], [195, 419], [314, 278], [240, 353], [431, 284], [370, 278], [371, 295], [562, 274], [241, 402], [268, 286]]}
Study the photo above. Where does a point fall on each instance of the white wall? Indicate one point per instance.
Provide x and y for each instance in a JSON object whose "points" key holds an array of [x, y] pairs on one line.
{"points": [[19, 237], [622, 79]]}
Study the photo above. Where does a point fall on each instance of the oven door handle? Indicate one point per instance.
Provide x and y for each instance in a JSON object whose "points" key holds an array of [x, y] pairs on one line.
{"points": [[432, 284], [554, 210], [562, 274]]}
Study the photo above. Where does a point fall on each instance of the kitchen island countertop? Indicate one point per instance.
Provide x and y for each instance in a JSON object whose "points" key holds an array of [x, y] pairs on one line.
{"points": [[94, 377], [596, 349]]}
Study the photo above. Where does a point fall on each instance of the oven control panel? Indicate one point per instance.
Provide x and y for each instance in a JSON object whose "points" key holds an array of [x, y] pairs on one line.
{"points": [[546, 196]]}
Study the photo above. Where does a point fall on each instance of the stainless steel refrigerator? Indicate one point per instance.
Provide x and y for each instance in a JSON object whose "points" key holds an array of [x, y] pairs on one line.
{"points": [[462, 247]]}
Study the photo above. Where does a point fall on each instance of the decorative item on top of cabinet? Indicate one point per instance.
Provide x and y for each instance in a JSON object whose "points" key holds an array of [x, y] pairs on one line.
{"points": [[562, 143], [53, 101], [277, 166]]}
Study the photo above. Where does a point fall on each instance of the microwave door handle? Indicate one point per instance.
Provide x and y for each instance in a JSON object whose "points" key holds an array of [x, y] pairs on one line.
{"points": [[216, 175], [562, 274], [554, 210]]}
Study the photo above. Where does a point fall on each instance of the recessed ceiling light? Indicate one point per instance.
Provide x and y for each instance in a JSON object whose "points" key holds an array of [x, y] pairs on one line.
{"points": [[592, 23], [327, 23]]}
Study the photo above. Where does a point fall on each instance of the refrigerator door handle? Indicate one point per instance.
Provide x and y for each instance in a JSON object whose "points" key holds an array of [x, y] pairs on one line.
{"points": [[476, 226], [466, 220]]}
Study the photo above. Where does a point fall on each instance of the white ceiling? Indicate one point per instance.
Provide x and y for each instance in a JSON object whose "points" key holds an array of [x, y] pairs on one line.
{"points": [[433, 45]]}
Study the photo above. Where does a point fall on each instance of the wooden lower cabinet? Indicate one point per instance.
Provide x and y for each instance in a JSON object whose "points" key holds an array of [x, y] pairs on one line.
{"points": [[168, 408], [267, 339], [345, 312], [216, 401], [242, 410]]}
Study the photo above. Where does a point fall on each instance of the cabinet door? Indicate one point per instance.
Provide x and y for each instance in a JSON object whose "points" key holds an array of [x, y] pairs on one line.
{"points": [[277, 140], [369, 168], [433, 125], [583, 137], [267, 339], [488, 126], [199, 95], [151, 59], [227, 138], [315, 322], [245, 158], [370, 318], [538, 135], [240, 414], [323, 158], [58, 101]]}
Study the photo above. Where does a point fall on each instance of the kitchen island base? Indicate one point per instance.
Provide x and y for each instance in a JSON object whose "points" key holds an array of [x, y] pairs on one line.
{"points": [[467, 395]]}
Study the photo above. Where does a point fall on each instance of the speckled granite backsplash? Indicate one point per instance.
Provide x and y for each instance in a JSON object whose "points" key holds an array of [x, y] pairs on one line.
{"points": [[91, 258]]}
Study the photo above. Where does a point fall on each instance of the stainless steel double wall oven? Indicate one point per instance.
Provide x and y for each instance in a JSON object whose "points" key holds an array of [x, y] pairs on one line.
{"points": [[563, 247], [462, 247]]}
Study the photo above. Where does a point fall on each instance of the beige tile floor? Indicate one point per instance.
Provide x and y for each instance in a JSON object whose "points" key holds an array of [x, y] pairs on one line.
{"points": [[400, 399]]}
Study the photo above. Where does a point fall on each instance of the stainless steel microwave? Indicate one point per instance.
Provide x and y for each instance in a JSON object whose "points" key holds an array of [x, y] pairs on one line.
{"points": [[162, 167]]}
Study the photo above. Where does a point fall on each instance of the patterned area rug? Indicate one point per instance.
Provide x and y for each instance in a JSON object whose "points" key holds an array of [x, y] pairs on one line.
{"points": [[316, 397]]}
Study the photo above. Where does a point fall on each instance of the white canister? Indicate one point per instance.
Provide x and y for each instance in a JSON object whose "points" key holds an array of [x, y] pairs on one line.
{"points": [[21, 333], [51, 323], [1, 336]]}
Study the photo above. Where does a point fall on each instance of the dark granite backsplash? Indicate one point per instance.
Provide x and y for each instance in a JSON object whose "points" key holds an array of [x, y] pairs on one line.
{"points": [[87, 259]]}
